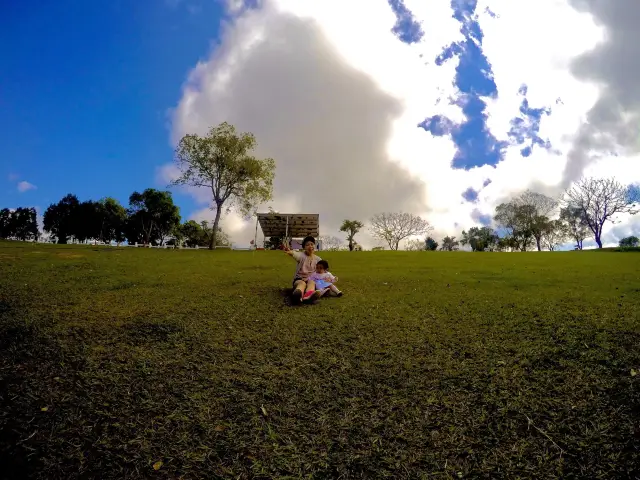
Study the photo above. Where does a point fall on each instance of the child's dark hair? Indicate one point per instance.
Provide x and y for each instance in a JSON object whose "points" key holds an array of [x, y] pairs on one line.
{"points": [[308, 239], [324, 264]]}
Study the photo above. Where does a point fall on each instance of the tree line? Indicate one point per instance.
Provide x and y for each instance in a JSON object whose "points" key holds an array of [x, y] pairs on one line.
{"points": [[151, 218], [529, 221], [222, 163]]}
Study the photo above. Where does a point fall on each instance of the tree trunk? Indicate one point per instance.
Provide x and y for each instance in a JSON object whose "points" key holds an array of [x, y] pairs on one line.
{"points": [[216, 222], [538, 244], [599, 241], [350, 246]]}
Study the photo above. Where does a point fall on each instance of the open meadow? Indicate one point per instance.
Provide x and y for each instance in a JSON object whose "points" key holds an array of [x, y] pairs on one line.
{"points": [[138, 363]]}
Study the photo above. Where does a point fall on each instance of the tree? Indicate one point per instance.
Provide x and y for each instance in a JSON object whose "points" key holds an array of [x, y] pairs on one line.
{"points": [[192, 234], [555, 233], [629, 242], [538, 208], [506, 244], [331, 243], [274, 243], [5, 223], [480, 239], [395, 227], [222, 238], [517, 220], [430, 244], [415, 245], [221, 161], [87, 222], [114, 220], [351, 227], [152, 216], [21, 224], [60, 218], [576, 224], [600, 200], [449, 244]]}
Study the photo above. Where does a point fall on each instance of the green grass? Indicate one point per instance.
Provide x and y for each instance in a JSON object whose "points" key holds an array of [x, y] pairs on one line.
{"points": [[433, 365]]}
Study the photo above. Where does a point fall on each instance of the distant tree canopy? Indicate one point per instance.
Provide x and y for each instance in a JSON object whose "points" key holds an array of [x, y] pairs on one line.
{"points": [[222, 162], [19, 224], [150, 219], [351, 228], [526, 218], [395, 227], [430, 244], [152, 216], [449, 244], [630, 242], [480, 239], [193, 234]]}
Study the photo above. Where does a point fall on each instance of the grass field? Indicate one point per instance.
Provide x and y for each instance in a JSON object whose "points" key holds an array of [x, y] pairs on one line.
{"points": [[136, 363]]}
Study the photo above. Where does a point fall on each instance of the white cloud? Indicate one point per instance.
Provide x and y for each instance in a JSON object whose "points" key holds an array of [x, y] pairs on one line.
{"points": [[339, 110], [26, 186]]}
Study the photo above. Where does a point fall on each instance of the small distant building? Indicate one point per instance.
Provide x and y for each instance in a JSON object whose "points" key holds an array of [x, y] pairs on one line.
{"points": [[291, 227]]}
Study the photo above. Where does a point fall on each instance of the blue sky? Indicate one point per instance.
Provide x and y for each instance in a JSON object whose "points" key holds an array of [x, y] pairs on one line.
{"points": [[88, 86], [85, 91]]}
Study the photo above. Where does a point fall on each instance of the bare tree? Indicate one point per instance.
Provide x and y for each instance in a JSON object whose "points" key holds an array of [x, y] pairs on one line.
{"points": [[555, 233], [600, 200], [395, 227], [331, 243], [415, 245]]}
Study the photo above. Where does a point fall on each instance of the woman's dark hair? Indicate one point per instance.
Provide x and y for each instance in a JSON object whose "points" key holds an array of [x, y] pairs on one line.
{"points": [[324, 264], [308, 239]]}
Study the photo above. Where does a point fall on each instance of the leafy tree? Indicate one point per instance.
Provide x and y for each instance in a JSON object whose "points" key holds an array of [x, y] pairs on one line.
{"points": [[576, 224], [5, 223], [395, 227], [222, 162], [221, 237], [430, 244], [600, 200], [351, 227], [630, 242], [536, 208], [60, 218], [517, 220], [555, 233], [274, 243], [192, 233], [152, 216], [449, 244], [21, 224], [87, 222], [480, 239], [114, 220]]}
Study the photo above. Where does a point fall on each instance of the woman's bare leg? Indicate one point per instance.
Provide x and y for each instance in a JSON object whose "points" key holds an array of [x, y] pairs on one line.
{"points": [[311, 286], [298, 290]]}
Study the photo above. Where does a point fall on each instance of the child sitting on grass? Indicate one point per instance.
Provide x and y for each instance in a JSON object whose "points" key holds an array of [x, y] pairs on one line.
{"points": [[324, 280]]}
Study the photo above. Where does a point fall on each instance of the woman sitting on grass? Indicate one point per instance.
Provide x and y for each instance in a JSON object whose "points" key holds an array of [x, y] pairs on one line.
{"points": [[304, 289]]}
